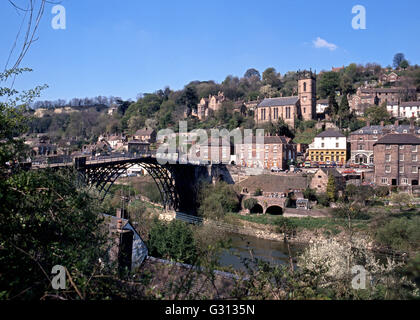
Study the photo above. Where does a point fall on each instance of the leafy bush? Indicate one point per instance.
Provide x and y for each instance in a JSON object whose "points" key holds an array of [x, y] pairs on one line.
{"points": [[382, 192], [217, 200], [350, 211], [174, 241], [400, 234], [250, 203], [323, 199], [258, 192], [309, 194]]}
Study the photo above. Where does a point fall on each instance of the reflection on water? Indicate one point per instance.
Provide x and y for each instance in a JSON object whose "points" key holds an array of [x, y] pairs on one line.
{"points": [[274, 252]]}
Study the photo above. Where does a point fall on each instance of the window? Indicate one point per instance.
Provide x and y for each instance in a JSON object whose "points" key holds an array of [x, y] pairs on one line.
{"points": [[387, 169], [322, 145], [287, 112], [414, 157], [414, 169], [401, 147], [401, 169], [361, 147], [388, 158], [402, 157], [336, 145], [388, 146], [304, 86], [404, 181], [413, 148], [384, 180]]}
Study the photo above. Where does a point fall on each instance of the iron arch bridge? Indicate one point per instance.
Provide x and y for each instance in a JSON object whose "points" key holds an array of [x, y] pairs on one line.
{"points": [[178, 183]]}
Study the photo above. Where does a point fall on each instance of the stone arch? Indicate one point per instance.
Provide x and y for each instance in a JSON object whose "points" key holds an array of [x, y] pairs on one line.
{"points": [[274, 210], [257, 209]]}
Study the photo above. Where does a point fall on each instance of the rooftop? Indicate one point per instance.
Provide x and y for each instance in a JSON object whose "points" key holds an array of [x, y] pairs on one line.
{"points": [[399, 139], [283, 101], [331, 134], [383, 129]]}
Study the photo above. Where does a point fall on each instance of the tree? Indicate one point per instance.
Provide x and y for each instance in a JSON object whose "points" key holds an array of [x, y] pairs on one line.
{"points": [[401, 199], [272, 78], [376, 114], [250, 73], [174, 241], [398, 58], [344, 111], [331, 188], [189, 98], [404, 64], [329, 83], [250, 203]]}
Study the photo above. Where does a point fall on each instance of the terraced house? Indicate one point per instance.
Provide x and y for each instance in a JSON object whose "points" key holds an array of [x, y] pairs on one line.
{"points": [[362, 141], [329, 146], [276, 152]]}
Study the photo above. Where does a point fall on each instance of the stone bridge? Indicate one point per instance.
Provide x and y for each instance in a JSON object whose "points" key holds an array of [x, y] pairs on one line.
{"points": [[268, 205]]}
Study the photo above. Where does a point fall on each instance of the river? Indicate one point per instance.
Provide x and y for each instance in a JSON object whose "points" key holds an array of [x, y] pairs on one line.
{"points": [[274, 252]]}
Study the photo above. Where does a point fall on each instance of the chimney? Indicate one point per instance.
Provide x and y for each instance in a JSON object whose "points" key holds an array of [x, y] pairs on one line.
{"points": [[368, 123], [397, 123], [119, 224], [122, 214], [412, 125], [382, 123]]}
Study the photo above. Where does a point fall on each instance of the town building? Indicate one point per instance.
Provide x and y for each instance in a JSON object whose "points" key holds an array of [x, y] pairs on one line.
{"points": [[137, 147], [397, 160], [207, 105], [390, 77], [145, 135], [366, 97], [363, 140], [319, 181], [215, 150], [409, 109], [275, 152], [289, 109], [321, 106], [329, 146]]}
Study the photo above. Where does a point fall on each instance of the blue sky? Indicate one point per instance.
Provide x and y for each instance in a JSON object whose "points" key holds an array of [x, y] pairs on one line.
{"points": [[125, 47]]}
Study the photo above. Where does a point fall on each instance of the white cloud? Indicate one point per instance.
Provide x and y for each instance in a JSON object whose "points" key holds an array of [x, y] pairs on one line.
{"points": [[321, 43]]}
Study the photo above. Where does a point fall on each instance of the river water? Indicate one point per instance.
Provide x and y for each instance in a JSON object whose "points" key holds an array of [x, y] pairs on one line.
{"points": [[274, 252]]}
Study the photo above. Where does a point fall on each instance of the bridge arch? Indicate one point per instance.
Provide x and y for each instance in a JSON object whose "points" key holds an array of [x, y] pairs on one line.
{"points": [[274, 210], [257, 209]]}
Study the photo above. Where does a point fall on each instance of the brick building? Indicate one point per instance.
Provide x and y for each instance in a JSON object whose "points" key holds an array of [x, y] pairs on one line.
{"points": [[363, 140], [366, 97], [397, 159], [302, 106], [319, 181], [277, 151]]}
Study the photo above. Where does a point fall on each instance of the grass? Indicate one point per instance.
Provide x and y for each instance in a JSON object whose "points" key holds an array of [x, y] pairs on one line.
{"points": [[331, 224]]}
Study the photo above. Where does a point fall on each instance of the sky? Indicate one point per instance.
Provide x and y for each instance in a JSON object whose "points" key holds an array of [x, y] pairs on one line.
{"points": [[126, 47]]}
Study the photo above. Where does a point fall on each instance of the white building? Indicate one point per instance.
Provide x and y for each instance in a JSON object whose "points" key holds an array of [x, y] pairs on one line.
{"points": [[409, 109], [330, 145], [321, 105]]}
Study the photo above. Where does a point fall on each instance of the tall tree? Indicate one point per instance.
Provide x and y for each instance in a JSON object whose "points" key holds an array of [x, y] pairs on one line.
{"points": [[250, 73], [398, 58]]}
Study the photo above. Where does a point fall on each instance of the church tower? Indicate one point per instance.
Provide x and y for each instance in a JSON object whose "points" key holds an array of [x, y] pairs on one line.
{"points": [[307, 94]]}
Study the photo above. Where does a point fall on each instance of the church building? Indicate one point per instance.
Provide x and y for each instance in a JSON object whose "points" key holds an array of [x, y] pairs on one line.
{"points": [[289, 109]]}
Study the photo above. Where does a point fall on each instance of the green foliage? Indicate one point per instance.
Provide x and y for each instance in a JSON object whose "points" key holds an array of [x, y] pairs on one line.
{"points": [[331, 188], [402, 200], [310, 194], [328, 84], [376, 114], [400, 234], [353, 211], [217, 200], [258, 192], [172, 241], [47, 219], [323, 199], [250, 203], [381, 192]]}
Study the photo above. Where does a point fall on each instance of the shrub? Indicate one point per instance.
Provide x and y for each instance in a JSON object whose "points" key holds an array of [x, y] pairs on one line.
{"points": [[382, 192], [217, 200], [310, 194], [323, 199], [400, 234], [258, 192], [174, 241], [250, 203]]}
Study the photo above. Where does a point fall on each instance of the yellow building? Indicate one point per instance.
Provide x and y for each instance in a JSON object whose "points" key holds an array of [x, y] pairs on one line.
{"points": [[329, 146]]}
